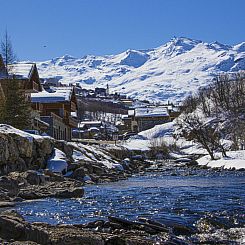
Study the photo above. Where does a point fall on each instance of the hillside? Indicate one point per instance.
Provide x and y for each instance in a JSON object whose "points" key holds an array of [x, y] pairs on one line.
{"points": [[169, 72]]}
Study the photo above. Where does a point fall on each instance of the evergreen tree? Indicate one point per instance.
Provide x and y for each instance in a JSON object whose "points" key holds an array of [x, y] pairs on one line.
{"points": [[16, 110]]}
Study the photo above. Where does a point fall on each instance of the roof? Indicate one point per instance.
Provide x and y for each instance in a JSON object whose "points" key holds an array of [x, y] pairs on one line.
{"points": [[131, 112], [21, 70], [60, 94], [90, 123], [151, 112]]}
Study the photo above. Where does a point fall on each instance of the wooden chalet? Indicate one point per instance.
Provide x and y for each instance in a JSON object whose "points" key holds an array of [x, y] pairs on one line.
{"points": [[27, 79], [57, 108], [26, 74]]}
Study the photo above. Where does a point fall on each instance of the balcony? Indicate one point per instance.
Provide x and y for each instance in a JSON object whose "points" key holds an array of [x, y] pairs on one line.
{"points": [[73, 107], [72, 122]]}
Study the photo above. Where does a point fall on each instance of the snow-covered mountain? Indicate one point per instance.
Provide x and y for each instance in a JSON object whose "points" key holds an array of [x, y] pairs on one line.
{"points": [[169, 72]]}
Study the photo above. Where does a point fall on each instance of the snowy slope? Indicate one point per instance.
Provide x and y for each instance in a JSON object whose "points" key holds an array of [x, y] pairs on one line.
{"points": [[169, 72]]}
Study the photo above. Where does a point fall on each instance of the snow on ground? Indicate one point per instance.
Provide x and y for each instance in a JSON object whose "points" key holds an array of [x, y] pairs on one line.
{"points": [[7, 129], [57, 163], [234, 159], [142, 141], [163, 132], [94, 153]]}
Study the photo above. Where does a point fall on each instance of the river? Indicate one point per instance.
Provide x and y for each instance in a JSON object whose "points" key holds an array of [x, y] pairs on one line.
{"points": [[162, 196]]}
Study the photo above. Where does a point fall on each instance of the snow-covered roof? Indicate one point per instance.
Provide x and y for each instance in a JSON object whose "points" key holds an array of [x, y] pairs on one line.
{"points": [[60, 95], [125, 117], [130, 112], [22, 70], [93, 129], [151, 112], [89, 123], [74, 114]]}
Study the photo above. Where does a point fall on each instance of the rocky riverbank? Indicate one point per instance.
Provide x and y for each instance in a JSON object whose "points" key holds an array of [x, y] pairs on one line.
{"points": [[15, 230], [23, 166]]}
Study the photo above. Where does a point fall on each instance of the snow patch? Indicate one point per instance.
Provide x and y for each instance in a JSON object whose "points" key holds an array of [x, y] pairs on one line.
{"points": [[234, 159], [57, 163]]}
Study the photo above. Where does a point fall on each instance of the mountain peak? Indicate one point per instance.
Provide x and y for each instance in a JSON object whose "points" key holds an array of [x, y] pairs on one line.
{"points": [[169, 72], [179, 45], [184, 40], [219, 46], [240, 47]]}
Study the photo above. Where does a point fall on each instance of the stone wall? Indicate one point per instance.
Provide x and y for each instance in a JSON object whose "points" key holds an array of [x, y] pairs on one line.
{"points": [[20, 151]]}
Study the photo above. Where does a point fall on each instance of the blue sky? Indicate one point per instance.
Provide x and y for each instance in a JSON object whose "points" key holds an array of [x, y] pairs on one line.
{"points": [[81, 27]]}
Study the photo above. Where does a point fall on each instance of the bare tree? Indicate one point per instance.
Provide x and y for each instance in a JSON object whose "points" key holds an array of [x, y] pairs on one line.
{"points": [[207, 134], [7, 50]]}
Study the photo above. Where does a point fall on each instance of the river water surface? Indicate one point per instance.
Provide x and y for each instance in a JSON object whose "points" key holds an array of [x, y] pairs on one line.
{"points": [[158, 196]]}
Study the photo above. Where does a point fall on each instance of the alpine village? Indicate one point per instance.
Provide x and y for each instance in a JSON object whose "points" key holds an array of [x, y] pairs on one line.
{"points": [[86, 162]]}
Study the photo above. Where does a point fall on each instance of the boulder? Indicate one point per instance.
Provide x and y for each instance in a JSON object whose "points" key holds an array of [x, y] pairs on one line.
{"points": [[71, 193], [72, 166], [34, 177], [10, 186], [64, 147], [13, 227], [78, 173], [64, 189], [98, 170], [6, 204], [20, 151]]}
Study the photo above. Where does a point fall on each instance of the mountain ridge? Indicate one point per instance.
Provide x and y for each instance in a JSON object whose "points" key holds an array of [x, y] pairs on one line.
{"points": [[166, 73]]}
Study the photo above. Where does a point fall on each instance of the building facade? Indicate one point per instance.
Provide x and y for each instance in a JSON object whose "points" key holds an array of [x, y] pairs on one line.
{"points": [[57, 108]]}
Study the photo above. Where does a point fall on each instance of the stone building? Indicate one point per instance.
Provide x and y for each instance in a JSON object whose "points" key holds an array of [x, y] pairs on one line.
{"points": [[141, 119]]}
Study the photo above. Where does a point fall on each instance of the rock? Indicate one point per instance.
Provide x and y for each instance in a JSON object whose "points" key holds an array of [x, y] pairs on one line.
{"points": [[64, 189], [20, 151], [93, 224], [94, 178], [78, 174], [29, 195], [73, 193], [10, 185], [192, 163], [17, 199], [98, 170], [14, 227], [6, 204], [73, 166], [33, 177], [64, 147], [116, 240], [56, 177]]}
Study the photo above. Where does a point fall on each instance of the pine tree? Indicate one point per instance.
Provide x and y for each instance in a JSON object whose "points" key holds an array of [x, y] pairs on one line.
{"points": [[17, 110]]}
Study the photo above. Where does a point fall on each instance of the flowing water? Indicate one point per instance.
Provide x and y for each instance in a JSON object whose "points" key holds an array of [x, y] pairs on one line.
{"points": [[158, 196]]}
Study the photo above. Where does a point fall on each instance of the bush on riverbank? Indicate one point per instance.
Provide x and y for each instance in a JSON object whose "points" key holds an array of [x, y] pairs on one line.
{"points": [[158, 149]]}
